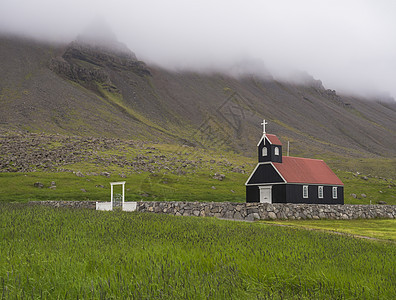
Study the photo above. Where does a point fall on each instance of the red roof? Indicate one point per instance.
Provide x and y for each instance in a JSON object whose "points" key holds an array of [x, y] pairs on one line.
{"points": [[306, 170], [273, 139]]}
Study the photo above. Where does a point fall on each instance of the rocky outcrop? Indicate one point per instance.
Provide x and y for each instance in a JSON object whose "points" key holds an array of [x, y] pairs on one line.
{"points": [[90, 65], [78, 73], [29, 152]]}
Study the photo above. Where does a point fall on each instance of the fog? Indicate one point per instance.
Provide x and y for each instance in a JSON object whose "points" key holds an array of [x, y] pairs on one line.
{"points": [[349, 45]]}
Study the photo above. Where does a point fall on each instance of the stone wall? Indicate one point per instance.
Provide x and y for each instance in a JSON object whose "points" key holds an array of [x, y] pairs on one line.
{"points": [[71, 204], [250, 211], [265, 211]]}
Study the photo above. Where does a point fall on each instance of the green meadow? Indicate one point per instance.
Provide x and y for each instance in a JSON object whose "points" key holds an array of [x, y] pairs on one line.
{"points": [[197, 186], [169, 174], [49, 253], [82, 169], [382, 229]]}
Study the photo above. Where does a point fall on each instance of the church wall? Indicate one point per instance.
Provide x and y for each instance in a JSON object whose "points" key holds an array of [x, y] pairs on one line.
{"points": [[252, 193], [294, 194], [279, 193]]}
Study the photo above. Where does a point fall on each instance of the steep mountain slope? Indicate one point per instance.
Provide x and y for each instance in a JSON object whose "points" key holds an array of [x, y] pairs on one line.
{"points": [[92, 91]]}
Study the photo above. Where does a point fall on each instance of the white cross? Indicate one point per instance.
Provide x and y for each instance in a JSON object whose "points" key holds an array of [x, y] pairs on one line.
{"points": [[264, 123]]}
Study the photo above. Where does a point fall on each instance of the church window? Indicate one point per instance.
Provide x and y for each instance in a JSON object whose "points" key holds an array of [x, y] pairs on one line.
{"points": [[305, 191], [276, 151], [265, 151], [334, 192], [320, 191]]}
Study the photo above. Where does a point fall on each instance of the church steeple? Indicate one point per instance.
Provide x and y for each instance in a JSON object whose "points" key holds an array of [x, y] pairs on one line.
{"points": [[269, 147]]}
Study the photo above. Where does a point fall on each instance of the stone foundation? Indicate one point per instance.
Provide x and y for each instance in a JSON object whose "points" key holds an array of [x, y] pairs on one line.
{"points": [[265, 211], [251, 211]]}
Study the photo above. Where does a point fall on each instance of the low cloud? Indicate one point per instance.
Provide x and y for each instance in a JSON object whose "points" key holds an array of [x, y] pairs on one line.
{"points": [[348, 45]]}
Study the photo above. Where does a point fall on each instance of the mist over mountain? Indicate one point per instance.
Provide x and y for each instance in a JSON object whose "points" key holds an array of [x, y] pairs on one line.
{"points": [[99, 35], [348, 45]]}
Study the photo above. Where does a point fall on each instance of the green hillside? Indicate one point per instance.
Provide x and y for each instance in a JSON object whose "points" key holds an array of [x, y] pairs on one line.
{"points": [[78, 89], [83, 167], [74, 108]]}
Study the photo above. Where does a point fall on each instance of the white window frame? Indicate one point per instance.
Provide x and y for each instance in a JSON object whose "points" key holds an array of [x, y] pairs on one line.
{"points": [[335, 192], [305, 191], [320, 191], [264, 151], [276, 150]]}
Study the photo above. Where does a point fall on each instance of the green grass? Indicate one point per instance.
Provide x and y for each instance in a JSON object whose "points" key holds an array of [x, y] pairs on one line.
{"points": [[169, 173], [63, 253], [380, 167], [161, 186], [375, 189], [373, 228], [19, 187], [196, 185], [164, 172]]}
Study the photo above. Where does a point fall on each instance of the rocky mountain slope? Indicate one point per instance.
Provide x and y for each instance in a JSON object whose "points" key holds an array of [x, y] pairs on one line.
{"points": [[90, 90]]}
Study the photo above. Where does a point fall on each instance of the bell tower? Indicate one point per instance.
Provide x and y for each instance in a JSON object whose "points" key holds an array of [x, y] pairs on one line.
{"points": [[269, 147]]}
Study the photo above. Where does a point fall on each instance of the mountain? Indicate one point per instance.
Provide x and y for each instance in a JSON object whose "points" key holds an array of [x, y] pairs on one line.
{"points": [[102, 89]]}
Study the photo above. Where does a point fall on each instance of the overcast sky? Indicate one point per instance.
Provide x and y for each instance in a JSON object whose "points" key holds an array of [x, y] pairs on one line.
{"points": [[348, 44]]}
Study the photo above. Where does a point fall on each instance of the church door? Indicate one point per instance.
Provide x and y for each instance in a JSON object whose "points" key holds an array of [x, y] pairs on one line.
{"points": [[265, 194]]}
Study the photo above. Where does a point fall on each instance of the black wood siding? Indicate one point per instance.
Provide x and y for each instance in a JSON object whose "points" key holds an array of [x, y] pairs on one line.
{"points": [[294, 194], [279, 193], [270, 152], [252, 193], [265, 173]]}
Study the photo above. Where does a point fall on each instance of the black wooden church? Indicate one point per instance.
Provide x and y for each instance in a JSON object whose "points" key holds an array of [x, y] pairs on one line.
{"points": [[278, 179]]}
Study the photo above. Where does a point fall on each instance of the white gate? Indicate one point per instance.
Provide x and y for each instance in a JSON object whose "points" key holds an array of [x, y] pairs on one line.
{"points": [[117, 200]]}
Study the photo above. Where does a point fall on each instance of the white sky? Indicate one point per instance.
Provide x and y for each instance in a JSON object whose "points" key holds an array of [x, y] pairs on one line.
{"points": [[348, 44]]}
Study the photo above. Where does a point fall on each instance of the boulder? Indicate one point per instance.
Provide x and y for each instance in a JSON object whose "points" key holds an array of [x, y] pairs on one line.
{"points": [[219, 176], [38, 185]]}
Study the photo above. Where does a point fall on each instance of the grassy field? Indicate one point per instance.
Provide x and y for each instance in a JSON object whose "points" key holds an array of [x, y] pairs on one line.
{"points": [[62, 253], [372, 228], [19, 187], [154, 171]]}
